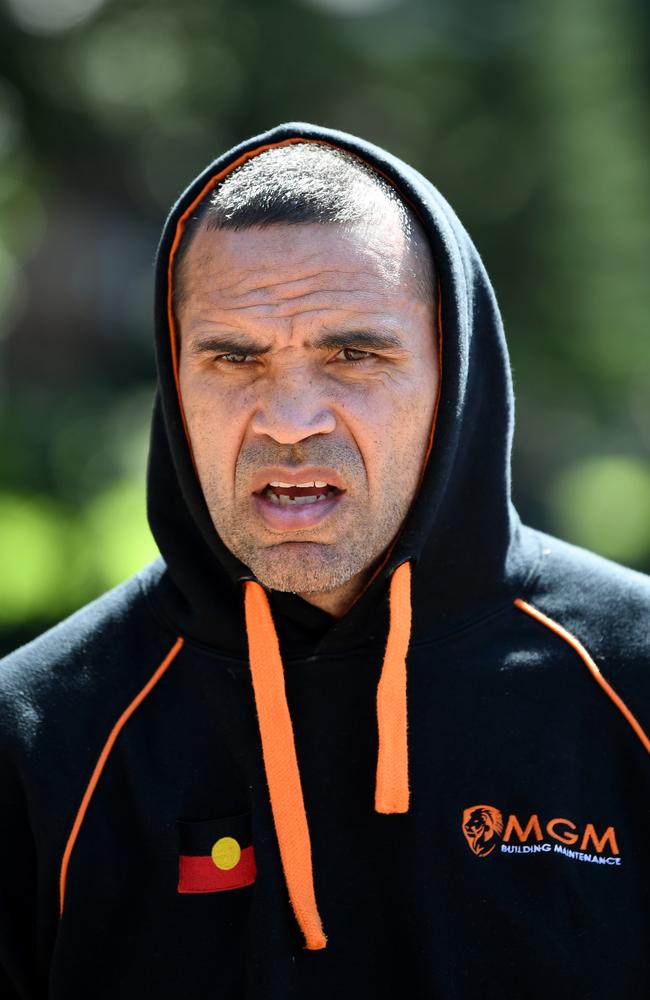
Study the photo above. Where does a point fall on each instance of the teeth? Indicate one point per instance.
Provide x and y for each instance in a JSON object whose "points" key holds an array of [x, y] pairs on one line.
{"points": [[285, 501], [302, 485]]}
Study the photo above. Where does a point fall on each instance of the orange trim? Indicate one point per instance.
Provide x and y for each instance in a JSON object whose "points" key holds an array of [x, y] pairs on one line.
{"points": [[281, 763], [392, 786], [103, 757], [593, 668], [437, 403]]}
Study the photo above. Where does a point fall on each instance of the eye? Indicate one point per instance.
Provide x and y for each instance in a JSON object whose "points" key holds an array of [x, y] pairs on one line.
{"points": [[353, 354], [234, 359]]}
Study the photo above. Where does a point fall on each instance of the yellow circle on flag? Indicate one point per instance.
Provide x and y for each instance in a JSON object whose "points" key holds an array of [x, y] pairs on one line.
{"points": [[226, 853]]}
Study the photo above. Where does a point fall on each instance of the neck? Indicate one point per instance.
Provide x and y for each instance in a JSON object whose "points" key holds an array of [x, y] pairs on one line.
{"points": [[341, 599]]}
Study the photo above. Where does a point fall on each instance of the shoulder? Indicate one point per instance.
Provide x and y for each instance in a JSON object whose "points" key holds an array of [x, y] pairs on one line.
{"points": [[97, 626], [94, 655], [604, 604]]}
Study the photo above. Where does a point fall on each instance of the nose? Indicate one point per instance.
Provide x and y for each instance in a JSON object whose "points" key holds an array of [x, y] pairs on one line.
{"points": [[292, 409]]}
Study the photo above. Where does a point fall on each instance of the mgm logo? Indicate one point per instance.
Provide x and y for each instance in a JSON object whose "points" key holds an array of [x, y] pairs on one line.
{"points": [[482, 826], [484, 830]]}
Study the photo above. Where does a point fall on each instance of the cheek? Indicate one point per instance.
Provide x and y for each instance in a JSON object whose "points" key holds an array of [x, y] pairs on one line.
{"points": [[391, 423], [395, 413], [216, 425], [412, 430]]}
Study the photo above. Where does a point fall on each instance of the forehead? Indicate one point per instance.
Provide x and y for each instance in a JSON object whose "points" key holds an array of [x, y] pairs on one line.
{"points": [[374, 258]]}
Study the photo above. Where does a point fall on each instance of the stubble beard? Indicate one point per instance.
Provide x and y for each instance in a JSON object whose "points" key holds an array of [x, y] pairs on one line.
{"points": [[309, 567], [360, 531]]}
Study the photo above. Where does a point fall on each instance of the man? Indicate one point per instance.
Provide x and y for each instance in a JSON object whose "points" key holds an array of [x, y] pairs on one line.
{"points": [[350, 732]]}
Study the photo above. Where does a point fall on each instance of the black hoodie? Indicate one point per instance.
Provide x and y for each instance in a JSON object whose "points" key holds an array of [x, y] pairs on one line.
{"points": [[188, 811]]}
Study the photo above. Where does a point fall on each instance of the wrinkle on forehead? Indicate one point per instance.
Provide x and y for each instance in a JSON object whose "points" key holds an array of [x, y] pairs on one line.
{"points": [[303, 267], [278, 287], [279, 296]]}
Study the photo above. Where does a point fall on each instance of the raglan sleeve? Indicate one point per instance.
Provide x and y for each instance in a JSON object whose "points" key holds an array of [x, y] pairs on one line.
{"points": [[18, 865]]}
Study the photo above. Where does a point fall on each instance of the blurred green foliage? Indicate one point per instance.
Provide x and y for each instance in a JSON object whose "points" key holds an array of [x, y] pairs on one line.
{"points": [[531, 119]]}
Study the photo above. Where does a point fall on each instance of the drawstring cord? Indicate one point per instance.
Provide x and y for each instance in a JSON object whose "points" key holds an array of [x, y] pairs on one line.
{"points": [[392, 787], [279, 750], [281, 763]]}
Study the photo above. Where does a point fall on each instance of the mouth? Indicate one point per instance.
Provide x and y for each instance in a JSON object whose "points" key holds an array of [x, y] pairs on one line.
{"points": [[292, 506], [286, 494]]}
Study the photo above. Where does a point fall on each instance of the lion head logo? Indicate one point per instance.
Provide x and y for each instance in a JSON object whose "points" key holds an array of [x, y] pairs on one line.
{"points": [[481, 826]]}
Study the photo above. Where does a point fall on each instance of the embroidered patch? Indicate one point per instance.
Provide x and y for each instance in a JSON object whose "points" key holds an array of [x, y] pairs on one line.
{"points": [[486, 830], [215, 854]]}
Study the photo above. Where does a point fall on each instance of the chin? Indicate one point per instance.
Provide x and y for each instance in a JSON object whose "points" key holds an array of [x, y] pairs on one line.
{"points": [[301, 573]]}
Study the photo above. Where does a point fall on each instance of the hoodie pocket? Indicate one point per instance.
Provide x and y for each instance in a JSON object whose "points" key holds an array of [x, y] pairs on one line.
{"points": [[215, 855]]}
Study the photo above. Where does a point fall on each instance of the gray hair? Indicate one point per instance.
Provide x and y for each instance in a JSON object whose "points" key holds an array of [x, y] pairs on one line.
{"points": [[304, 183]]}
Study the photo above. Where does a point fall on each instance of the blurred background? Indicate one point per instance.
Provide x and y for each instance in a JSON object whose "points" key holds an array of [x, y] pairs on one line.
{"points": [[531, 118]]}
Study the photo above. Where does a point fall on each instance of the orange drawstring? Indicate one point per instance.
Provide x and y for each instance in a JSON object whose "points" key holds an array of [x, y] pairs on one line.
{"points": [[392, 787], [281, 764], [279, 750]]}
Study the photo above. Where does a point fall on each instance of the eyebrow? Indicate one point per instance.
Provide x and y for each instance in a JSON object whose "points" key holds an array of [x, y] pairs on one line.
{"points": [[227, 344], [371, 339], [241, 344]]}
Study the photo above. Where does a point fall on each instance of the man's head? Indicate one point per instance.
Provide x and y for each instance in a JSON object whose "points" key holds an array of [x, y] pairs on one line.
{"points": [[304, 301]]}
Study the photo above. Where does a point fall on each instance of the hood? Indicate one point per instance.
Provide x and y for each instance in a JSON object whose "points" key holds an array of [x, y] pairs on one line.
{"points": [[461, 551], [462, 535]]}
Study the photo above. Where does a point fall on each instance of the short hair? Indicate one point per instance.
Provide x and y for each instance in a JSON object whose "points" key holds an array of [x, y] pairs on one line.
{"points": [[302, 183]]}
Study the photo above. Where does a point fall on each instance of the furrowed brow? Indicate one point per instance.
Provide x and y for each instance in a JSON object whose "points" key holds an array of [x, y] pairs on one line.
{"points": [[223, 344], [363, 340]]}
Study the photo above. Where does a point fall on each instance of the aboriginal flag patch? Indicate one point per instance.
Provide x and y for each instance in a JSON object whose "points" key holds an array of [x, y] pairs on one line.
{"points": [[215, 854]]}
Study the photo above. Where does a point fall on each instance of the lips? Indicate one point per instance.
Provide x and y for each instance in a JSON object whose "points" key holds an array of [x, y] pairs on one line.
{"points": [[285, 495], [297, 476], [296, 499]]}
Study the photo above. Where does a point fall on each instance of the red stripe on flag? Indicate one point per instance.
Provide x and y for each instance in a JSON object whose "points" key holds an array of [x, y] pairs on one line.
{"points": [[200, 874]]}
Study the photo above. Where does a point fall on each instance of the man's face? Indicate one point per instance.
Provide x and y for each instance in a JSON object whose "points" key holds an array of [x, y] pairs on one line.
{"points": [[308, 356]]}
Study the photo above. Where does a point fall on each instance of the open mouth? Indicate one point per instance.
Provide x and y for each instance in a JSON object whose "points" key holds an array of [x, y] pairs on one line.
{"points": [[298, 494], [285, 506]]}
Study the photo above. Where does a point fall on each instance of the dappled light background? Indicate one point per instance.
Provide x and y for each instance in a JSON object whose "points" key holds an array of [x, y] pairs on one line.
{"points": [[531, 119]]}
